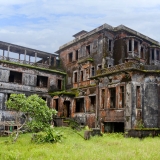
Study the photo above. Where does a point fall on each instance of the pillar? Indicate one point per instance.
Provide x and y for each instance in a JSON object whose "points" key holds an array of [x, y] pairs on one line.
{"points": [[25, 55], [8, 51], [132, 47], [50, 60], [155, 56], [139, 50]]}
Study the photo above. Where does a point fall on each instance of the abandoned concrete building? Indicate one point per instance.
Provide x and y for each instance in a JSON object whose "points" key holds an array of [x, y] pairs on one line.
{"points": [[30, 72], [110, 78], [115, 75]]}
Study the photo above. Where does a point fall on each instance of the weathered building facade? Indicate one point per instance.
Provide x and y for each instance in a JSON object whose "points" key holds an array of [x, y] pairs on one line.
{"points": [[33, 72], [115, 75]]}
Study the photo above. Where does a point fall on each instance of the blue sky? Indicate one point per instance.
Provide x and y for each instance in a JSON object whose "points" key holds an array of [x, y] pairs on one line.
{"points": [[47, 24]]}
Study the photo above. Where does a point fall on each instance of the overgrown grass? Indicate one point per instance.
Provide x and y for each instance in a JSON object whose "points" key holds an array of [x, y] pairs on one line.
{"points": [[73, 147]]}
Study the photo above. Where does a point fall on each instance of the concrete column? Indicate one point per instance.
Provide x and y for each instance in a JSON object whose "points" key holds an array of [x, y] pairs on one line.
{"points": [[54, 61], [127, 45], [35, 57], [25, 55], [50, 60], [3, 53], [132, 47], [19, 57], [155, 56], [8, 51]]}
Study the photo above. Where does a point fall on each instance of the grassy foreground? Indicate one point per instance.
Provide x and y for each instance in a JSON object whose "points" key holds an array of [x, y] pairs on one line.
{"points": [[73, 147]]}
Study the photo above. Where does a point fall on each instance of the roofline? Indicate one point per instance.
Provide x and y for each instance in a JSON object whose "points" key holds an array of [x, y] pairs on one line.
{"points": [[30, 49], [110, 28]]}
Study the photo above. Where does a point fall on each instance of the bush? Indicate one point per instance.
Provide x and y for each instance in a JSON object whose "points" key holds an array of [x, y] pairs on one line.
{"points": [[49, 135]]}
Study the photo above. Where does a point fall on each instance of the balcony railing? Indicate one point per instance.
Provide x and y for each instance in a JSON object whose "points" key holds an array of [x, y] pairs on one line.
{"points": [[41, 65], [123, 66]]}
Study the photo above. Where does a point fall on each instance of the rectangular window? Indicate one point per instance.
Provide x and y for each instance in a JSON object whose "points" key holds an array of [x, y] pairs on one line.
{"points": [[59, 85], [70, 57], [130, 45], [102, 98], [135, 46], [157, 55], [88, 50], [152, 54], [75, 77], [79, 105], [121, 100], [138, 97], [81, 75], [42, 81], [110, 45], [93, 71], [142, 56], [76, 54], [93, 103], [112, 92], [15, 77]]}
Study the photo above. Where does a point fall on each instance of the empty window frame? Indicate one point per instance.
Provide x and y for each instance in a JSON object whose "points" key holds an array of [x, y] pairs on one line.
{"points": [[42, 81], [110, 45], [135, 46], [93, 103], [88, 50], [15, 77], [121, 97], [102, 98], [82, 76], [152, 51], [138, 97], [112, 92], [99, 67], [92, 71], [76, 56], [157, 55], [75, 77], [79, 105], [59, 84], [142, 52], [130, 45], [70, 57]]}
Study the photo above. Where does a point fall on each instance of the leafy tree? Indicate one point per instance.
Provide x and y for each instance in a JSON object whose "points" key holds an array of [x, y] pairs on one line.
{"points": [[35, 110]]}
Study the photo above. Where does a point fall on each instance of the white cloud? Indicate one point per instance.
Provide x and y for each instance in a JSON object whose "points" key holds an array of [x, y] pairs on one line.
{"points": [[46, 24]]}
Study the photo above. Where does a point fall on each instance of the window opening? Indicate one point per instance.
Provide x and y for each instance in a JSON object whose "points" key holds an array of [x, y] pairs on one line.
{"points": [[93, 71], [135, 46], [102, 98], [42, 81], [15, 77], [88, 49], [158, 55], [59, 84], [142, 56], [152, 54], [80, 105], [110, 45], [76, 54], [112, 97], [81, 75], [121, 103], [138, 97], [130, 45], [93, 103], [70, 57], [75, 77]]}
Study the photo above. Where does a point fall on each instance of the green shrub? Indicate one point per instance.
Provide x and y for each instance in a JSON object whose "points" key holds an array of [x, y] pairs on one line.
{"points": [[49, 135]]}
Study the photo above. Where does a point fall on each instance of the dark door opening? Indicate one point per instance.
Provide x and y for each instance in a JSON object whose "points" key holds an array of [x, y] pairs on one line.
{"points": [[56, 104], [111, 127], [66, 108], [79, 105]]}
